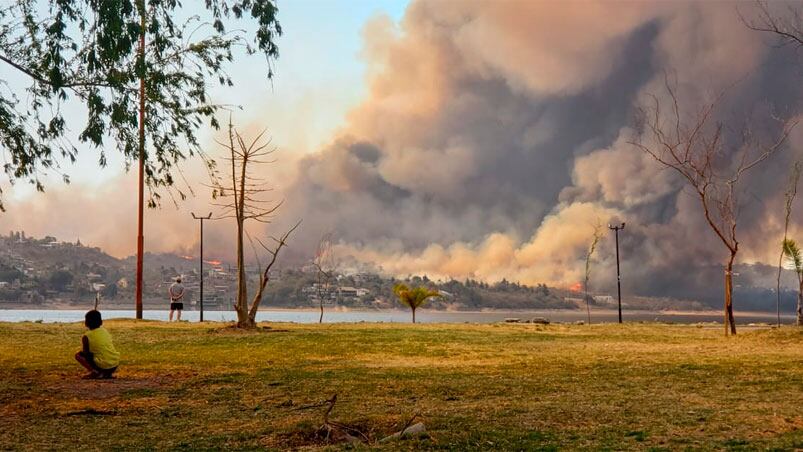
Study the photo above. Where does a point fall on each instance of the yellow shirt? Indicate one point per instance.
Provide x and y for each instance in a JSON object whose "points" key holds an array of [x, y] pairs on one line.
{"points": [[103, 351]]}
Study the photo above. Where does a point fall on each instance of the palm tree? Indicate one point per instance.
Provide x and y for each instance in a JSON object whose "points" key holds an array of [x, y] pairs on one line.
{"points": [[414, 297], [795, 257]]}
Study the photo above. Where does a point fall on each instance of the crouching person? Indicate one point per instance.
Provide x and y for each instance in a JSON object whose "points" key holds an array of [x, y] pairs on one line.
{"points": [[97, 354]]}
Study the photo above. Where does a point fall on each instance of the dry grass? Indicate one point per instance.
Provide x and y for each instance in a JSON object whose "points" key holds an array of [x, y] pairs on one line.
{"points": [[480, 387]]}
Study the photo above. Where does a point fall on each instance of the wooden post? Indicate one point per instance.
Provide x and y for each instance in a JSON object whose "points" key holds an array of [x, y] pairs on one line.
{"points": [[140, 207]]}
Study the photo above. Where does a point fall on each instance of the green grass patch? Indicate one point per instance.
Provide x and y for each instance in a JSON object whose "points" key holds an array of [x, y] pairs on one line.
{"points": [[475, 387]]}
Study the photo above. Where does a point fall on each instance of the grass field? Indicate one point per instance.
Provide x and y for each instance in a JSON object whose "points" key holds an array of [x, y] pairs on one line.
{"points": [[475, 387]]}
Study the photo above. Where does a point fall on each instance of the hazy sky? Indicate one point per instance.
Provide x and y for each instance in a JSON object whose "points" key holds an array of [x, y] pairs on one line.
{"points": [[483, 139], [319, 76]]}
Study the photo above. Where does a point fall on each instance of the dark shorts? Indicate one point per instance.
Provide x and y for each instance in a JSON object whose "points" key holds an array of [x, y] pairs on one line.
{"points": [[176, 306], [91, 361]]}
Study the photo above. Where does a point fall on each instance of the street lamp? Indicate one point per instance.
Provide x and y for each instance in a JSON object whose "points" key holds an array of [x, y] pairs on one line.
{"points": [[201, 295], [616, 230]]}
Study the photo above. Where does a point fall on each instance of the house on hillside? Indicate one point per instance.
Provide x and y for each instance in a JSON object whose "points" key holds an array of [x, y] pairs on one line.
{"points": [[603, 299]]}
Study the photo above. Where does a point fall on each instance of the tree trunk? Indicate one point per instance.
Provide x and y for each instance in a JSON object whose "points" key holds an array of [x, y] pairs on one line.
{"points": [[320, 320], [800, 305], [778, 286], [413, 315], [588, 308], [729, 321], [251, 314], [247, 317], [242, 295], [243, 314], [247, 324]]}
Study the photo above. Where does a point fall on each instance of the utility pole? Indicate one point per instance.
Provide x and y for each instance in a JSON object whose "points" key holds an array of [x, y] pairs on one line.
{"points": [[140, 210], [616, 230], [201, 295]]}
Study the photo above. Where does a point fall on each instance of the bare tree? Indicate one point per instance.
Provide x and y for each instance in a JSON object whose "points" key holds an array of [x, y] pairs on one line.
{"points": [[242, 199], [788, 26], [595, 238], [324, 263], [791, 192], [712, 163]]}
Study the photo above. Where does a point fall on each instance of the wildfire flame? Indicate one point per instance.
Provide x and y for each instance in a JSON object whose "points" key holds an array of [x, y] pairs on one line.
{"points": [[213, 262], [189, 258], [576, 287]]}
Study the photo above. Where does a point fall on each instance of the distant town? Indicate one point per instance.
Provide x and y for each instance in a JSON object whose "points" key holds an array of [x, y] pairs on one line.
{"points": [[50, 273]]}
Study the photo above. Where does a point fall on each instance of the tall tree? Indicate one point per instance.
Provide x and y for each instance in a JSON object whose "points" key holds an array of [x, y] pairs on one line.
{"points": [[87, 52], [795, 257], [240, 195], [789, 196], [95, 52], [711, 162], [414, 297]]}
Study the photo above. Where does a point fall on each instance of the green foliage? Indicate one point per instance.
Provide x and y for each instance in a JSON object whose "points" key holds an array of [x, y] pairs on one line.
{"points": [[414, 297], [60, 279], [793, 254], [9, 273], [88, 51], [110, 291]]}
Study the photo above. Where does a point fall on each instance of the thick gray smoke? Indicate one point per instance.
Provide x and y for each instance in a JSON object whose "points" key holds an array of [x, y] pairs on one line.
{"points": [[495, 137]]}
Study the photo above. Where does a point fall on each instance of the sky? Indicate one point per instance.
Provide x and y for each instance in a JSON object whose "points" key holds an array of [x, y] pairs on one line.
{"points": [[320, 50], [475, 139]]}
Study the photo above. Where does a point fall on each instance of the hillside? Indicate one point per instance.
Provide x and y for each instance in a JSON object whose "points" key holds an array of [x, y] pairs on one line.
{"points": [[42, 271], [45, 272]]}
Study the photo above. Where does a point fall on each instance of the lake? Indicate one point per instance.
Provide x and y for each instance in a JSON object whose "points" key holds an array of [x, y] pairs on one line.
{"points": [[397, 316]]}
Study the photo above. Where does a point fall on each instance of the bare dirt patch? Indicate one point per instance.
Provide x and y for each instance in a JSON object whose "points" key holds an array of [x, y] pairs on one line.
{"points": [[74, 387]]}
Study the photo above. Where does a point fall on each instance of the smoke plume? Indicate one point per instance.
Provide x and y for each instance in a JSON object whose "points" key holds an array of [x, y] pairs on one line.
{"points": [[495, 135], [494, 138]]}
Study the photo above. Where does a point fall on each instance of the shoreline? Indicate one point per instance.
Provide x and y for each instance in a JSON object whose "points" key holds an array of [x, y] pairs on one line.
{"points": [[664, 312]]}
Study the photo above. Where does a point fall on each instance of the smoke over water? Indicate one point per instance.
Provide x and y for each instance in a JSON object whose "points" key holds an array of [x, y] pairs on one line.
{"points": [[494, 136]]}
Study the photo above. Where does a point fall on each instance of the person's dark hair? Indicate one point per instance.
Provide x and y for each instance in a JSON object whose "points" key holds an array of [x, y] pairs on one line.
{"points": [[178, 280], [92, 319]]}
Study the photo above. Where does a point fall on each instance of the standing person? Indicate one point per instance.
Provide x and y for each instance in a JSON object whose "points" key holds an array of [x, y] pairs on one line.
{"points": [[176, 293], [97, 354]]}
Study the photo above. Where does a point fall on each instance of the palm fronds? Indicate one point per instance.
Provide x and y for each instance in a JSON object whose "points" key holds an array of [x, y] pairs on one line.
{"points": [[792, 252], [414, 297]]}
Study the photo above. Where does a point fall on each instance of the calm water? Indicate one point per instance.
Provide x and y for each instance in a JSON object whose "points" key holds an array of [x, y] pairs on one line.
{"points": [[299, 316]]}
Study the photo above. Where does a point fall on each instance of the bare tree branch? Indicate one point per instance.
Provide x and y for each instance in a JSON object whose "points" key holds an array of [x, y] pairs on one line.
{"points": [[708, 161], [787, 27], [241, 198]]}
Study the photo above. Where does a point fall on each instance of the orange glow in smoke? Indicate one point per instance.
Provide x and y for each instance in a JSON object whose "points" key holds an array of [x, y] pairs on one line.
{"points": [[213, 262], [576, 287]]}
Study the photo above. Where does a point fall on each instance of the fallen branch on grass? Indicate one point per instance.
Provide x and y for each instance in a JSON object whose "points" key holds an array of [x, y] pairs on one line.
{"points": [[337, 431], [407, 431]]}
